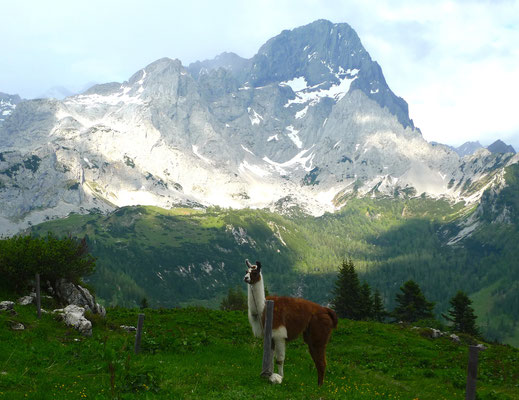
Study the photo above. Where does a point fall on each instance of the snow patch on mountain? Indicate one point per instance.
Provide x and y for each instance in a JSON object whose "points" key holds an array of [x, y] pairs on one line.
{"points": [[292, 134]]}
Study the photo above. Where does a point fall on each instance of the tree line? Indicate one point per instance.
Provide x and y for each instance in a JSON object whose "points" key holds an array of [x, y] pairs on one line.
{"points": [[356, 301]]}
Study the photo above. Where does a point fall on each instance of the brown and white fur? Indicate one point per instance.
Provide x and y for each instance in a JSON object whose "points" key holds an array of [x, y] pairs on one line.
{"points": [[292, 317]]}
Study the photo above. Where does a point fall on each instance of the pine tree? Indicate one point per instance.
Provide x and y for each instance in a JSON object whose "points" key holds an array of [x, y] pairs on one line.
{"points": [[462, 315], [412, 305], [379, 312], [144, 303], [235, 300], [365, 303], [346, 301]]}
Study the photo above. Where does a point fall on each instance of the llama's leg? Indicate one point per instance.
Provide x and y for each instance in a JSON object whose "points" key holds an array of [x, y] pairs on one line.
{"points": [[280, 355], [317, 336], [278, 337], [319, 357]]}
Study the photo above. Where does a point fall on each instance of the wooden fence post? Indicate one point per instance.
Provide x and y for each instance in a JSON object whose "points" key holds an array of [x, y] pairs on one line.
{"points": [[138, 335], [472, 373], [266, 369], [38, 295]]}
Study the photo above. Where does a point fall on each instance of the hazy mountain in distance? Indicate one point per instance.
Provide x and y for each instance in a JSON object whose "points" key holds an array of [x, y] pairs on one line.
{"points": [[500, 147]]}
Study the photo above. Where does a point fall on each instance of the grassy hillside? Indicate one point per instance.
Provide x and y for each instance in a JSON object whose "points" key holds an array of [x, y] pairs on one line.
{"points": [[196, 353], [186, 257]]}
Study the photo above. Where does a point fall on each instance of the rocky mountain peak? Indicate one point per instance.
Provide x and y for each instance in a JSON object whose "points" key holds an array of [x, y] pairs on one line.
{"points": [[467, 148], [228, 61], [323, 55], [317, 52], [501, 147]]}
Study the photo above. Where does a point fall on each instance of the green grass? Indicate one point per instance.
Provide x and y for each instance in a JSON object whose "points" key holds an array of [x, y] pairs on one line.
{"points": [[197, 353]]}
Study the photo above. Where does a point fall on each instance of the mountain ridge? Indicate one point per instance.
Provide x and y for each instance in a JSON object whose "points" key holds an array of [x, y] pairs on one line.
{"points": [[309, 120]]}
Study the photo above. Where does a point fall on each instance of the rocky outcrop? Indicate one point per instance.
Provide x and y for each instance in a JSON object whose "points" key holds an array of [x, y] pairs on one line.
{"points": [[6, 305], [25, 300], [74, 316], [72, 294]]}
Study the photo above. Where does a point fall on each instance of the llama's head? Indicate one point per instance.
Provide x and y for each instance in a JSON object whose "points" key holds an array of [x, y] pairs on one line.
{"points": [[253, 274]]}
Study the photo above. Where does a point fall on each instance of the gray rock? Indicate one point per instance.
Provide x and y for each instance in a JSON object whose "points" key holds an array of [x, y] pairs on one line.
{"points": [[25, 300], [70, 293], [6, 305], [74, 316], [128, 328], [455, 338], [17, 326]]}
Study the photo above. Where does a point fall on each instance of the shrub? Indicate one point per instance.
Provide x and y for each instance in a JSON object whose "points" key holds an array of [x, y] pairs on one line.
{"points": [[21, 257]]}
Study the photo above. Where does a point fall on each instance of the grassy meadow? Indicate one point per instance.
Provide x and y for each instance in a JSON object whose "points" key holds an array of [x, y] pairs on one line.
{"points": [[197, 353]]}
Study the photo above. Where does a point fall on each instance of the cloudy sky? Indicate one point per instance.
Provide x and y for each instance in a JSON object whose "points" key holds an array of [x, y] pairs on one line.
{"points": [[455, 62]]}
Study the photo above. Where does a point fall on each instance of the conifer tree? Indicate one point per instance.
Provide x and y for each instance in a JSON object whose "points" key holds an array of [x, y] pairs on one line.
{"points": [[462, 315], [346, 301], [365, 302], [412, 305], [235, 300], [379, 312]]}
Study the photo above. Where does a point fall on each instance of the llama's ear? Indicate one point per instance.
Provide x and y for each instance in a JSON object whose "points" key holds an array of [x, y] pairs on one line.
{"points": [[247, 263], [258, 265]]}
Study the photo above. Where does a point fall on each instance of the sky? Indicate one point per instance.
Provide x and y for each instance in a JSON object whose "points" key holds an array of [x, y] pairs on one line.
{"points": [[456, 63]]}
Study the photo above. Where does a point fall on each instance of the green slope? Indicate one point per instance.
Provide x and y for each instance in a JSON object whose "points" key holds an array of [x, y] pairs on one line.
{"points": [[196, 353], [183, 256]]}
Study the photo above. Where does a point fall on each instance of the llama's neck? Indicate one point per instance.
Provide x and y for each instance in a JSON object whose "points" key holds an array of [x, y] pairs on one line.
{"points": [[256, 300]]}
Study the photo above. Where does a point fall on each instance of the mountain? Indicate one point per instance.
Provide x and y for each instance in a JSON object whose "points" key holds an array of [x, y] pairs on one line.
{"points": [[468, 148], [500, 147], [8, 103], [57, 92], [309, 121]]}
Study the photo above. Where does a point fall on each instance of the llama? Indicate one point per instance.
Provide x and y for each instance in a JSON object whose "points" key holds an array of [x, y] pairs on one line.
{"points": [[292, 316]]}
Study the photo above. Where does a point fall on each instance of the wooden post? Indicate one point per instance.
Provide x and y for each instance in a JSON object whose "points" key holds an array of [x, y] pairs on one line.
{"points": [[138, 335], [38, 295], [472, 373], [266, 369]]}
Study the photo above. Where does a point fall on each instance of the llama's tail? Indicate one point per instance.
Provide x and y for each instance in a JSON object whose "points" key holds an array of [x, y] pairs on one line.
{"points": [[333, 316]]}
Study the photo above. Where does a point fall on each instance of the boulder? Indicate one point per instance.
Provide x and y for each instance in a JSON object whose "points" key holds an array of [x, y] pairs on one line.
{"points": [[455, 338], [17, 326], [70, 293], [6, 305], [25, 300], [436, 333], [74, 316], [128, 328]]}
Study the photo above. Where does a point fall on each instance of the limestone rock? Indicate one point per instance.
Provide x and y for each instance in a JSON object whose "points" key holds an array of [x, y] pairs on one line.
{"points": [[74, 316], [70, 293], [17, 326], [128, 328], [455, 338], [25, 300], [6, 305]]}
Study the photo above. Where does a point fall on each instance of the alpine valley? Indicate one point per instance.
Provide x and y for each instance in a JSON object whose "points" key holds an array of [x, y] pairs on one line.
{"points": [[300, 157]]}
